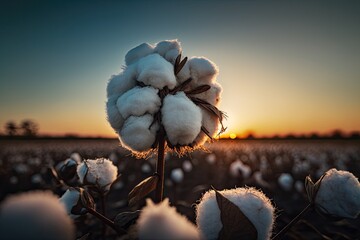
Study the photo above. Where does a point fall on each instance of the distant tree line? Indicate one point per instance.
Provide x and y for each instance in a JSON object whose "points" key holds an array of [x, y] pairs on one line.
{"points": [[26, 128]]}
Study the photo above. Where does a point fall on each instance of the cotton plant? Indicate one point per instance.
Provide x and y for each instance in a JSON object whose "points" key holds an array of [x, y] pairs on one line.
{"points": [[35, 215], [240, 213], [160, 101]]}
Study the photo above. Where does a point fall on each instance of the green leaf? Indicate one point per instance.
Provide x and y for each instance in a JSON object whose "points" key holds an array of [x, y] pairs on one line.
{"points": [[125, 219], [142, 189], [235, 224]]}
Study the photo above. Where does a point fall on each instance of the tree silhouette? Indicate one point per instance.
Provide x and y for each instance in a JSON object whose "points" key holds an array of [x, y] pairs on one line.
{"points": [[29, 128], [10, 128]]}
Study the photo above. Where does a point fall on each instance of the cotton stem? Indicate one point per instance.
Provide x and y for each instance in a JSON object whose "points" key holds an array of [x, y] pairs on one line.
{"points": [[160, 167]]}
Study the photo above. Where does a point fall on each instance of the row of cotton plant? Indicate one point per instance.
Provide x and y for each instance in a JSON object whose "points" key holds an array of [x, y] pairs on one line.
{"points": [[162, 103]]}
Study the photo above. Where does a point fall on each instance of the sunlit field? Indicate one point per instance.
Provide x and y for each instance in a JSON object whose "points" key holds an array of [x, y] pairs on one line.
{"points": [[278, 167]]}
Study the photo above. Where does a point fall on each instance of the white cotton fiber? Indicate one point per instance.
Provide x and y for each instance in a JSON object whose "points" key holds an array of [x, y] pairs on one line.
{"points": [[164, 47], [184, 73], [253, 203], [153, 70], [202, 70], [113, 115], [138, 101], [70, 199], [238, 169], [339, 194], [35, 215], [162, 222], [136, 133], [101, 172], [181, 119], [286, 181], [138, 52], [122, 82], [172, 55]]}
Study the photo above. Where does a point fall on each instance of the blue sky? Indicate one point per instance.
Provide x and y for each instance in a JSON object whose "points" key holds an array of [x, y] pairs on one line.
{"points": [[285, 66]]}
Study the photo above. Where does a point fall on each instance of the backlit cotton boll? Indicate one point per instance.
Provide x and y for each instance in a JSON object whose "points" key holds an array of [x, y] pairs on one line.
{"points": [[181, 119], [339, 194], [160, 92], [155, 71], [100, 172], [253, 203], [35, 215], [138, 134], [162, 222], [177, 175]]}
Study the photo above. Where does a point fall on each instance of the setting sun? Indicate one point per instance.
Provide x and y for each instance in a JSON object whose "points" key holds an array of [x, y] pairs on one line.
{"points": [[232, 135]]}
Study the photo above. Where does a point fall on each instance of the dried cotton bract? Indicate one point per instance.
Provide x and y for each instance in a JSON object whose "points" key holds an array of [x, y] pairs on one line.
{"points": [[35, 215], [253, 203], [162, 222], [156, 88], [339, 194], [100, 172]]}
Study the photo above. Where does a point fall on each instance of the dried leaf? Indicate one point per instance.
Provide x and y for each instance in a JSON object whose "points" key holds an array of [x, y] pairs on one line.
{"points": [[84, 237], [312, 188], [142, 189], [180, 66], [125, 219], [198, 90], [235, 224], [181, 87], [206, 132], [86, 199]]}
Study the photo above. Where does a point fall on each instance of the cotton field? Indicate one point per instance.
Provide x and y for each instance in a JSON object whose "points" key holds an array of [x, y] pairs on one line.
{"points": [[276, 167]]}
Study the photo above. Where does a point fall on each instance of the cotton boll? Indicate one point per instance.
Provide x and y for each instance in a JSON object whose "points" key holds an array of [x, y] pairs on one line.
{"points": [[138, 101], [122, 82], [253, 203], [155, 71], [211, 158], [35, 215], [138, 52], [172, 55], [113, 115], [146, 168], [339, 194], [100, 172], [70, 199], [181, 119], [202, 70], [177, 175], [137, 135], [162, 222], [286, 181], [166, 46]]}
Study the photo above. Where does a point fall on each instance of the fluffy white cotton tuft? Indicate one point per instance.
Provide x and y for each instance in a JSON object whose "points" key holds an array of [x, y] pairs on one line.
{"points": [[253, 203], [113, 116], [202, 70], [162, 222], [339, 194], [101, 172], [35, 215], [167, 46], [122, 82], [137, 135], [71, 199], [286, 181], [177, 175], [155, 71], [138, 101], [181, 119], [138, 52]]}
